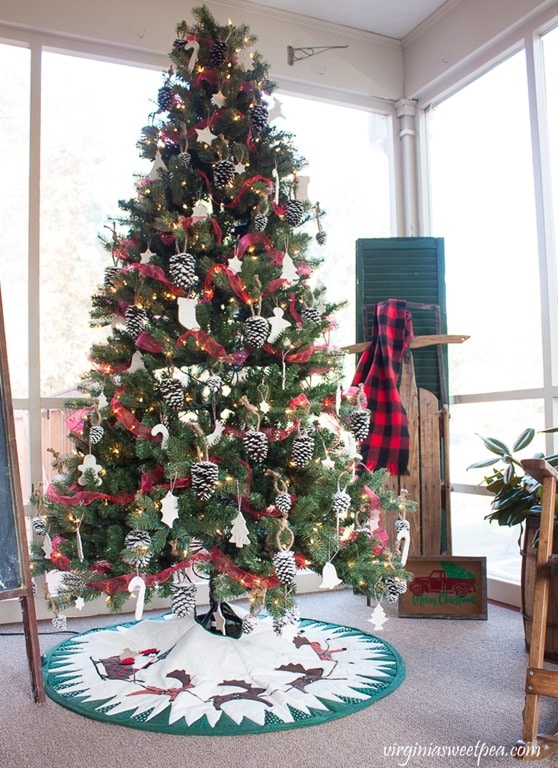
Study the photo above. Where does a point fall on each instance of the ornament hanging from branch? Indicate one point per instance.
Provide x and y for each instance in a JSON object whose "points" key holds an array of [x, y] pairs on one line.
{"points": [[283, 499], [204, 473], [284, 561], [321, 236], [360, 417], [256, 443]]}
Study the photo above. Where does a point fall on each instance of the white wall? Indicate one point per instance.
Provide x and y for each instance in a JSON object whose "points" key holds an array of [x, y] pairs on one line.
{"points": [[464, 35], [370, 67]]}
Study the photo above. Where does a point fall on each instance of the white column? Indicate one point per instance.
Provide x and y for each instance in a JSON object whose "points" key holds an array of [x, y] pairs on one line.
{"points": [[405, 110]]}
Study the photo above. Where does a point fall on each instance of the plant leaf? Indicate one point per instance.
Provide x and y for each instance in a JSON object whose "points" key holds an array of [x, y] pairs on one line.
{"points": [[494, 445], [480, 464], [524, 439]]}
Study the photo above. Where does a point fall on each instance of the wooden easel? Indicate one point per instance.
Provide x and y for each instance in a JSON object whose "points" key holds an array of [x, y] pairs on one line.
{"points": [[540, 681], [14, 556], [427, 481]]}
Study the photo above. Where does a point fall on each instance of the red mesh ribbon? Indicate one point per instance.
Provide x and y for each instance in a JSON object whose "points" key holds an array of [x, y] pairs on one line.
{"points": [[129, 421], [120, 583], [216, 350], [155, 273], [234, 281], [84, 498], [246, 186], [225, 565]]}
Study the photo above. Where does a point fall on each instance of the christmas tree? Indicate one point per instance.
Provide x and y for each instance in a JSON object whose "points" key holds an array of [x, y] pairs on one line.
{"points": [[213, 437]]}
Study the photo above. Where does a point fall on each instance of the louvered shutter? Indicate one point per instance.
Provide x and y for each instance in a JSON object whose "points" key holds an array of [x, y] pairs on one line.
{"points": [[410, 268]]}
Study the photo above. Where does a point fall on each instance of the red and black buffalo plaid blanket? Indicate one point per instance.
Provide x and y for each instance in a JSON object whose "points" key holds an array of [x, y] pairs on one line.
{"points": [[387, 444]]}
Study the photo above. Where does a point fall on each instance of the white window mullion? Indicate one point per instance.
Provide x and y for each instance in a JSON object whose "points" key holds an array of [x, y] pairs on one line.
{"points": [[545, 222], [34, 272]]}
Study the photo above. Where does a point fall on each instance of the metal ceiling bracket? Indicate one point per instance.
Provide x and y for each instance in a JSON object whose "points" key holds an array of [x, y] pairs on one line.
{"points": [[297, 54]]}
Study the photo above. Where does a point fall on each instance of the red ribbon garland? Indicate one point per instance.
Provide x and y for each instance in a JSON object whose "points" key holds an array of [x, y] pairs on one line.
{"points": [[84, 498], [189, 221], [225, 565], [234, 281], [120, 583], [273, 435], [260, 238], [156, 273], [245, 187], [129, 421], [216, 350]]}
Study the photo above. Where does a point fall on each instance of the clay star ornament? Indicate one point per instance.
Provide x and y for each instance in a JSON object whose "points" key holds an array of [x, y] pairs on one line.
{"points": [[169, 509], [205, 135], [275, 111], [79, 603], [218, 99], [240, 168], [146, 256], [235, 264]]}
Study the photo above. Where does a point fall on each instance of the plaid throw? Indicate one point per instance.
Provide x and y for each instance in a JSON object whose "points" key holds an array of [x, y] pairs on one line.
{"points": [[387, 444]]}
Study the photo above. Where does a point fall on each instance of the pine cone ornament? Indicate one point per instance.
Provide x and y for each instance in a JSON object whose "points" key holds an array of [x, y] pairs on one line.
{"points": [[223, 173], [249, 624], [204, 479], [110, 277], [360, 423], [341, 502], [260, 222], [96, 434], [73, 582], [138, 545], [256, 445], [60, 622], [214, 383], [302, 449], [321, 237], [283, 502], [285, 566], [172, 393], [293, 213], [258, 117], [179, 43], [401, 524], [164, 98], [291, 618], [311, 315], [393, 588], [183, 599], [218, 54], [39, 525], [184, 160], [182, 268], [257, 330], [135, 317]]}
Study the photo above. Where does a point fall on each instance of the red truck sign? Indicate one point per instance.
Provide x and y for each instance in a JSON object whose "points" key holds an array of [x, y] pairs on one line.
{"points": [[438, 581]]}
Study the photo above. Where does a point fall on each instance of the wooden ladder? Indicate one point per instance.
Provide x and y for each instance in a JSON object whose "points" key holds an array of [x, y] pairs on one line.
{"points": [[540, 681]]}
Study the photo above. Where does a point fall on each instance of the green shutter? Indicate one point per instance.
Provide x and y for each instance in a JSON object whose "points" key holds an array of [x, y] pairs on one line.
{"points": [[410, 268]]}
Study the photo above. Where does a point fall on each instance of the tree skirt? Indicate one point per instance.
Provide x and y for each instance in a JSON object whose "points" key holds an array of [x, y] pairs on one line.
{"points": [[174, 676]]}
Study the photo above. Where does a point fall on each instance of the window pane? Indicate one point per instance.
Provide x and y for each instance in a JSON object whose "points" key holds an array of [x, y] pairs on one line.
{"points": [[483, 205], [550, 48], [352, 186], [14, 161], [92, 114]]}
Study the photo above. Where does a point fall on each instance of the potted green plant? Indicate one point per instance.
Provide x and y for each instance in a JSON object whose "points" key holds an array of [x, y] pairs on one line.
{"points": [[517, 501]]}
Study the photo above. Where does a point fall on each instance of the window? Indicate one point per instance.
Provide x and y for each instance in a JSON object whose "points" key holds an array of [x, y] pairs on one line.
{"points": [[348, 153], [92, 115], [483, 204], [14, 161]]}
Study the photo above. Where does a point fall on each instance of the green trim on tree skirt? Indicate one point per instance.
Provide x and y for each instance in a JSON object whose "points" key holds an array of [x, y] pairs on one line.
{"points": [[173, 676]]}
